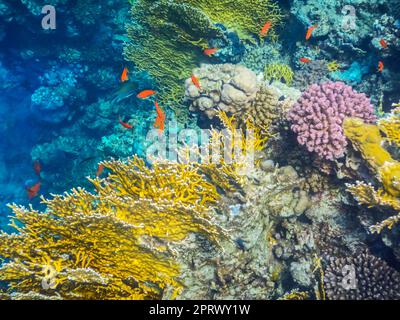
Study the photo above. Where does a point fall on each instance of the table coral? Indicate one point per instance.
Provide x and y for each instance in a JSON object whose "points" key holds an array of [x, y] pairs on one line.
{"points": [[318, 115]]}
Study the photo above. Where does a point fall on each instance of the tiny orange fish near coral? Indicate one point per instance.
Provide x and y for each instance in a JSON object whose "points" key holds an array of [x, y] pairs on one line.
{"points": [[124, 124], [160, 120], [310, 31], [265, 29], [146, 93], [100, 170], [196, 81], [305, 60], [210, 51], [34, 190], [381, 66], [383, 43], [124, 75]]}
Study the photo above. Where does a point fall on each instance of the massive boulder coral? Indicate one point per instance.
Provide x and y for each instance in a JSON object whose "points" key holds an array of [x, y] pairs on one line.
{"points": [[230, 88], [318, 115]]}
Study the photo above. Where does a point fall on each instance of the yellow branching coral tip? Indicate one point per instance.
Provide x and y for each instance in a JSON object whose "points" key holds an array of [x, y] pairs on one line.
{"points": [[114, 243]]}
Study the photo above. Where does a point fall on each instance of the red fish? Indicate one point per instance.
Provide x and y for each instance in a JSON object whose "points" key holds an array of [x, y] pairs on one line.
{"points": [[210, 51], [146, 93], [100, 170], [124, 75], [37, 167], [160, 120], [265, 29], [310, 31], [381, 66], [383, 43], [34, 190], [124, 124], [196, 81], [305, 60]]}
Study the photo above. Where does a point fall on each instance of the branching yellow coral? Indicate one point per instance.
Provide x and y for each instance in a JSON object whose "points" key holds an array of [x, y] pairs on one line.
{"points": [[279, 71], [367, 195], [390, 126], [115, 243], [367, 139]]}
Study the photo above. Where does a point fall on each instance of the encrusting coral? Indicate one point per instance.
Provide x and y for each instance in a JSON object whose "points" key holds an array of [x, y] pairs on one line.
{"points": [[367, 139], [115, 243]]}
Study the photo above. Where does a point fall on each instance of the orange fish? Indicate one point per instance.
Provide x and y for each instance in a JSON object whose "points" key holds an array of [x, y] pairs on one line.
{"points": [[146, 93], [124, 75], [37, 167], [380, 66], [305, 60], [196, 81], [383, 43], [34, 190], [310, 31], [100, 170], [124, 124], [160, 120], [210, 51], [265, 29]]}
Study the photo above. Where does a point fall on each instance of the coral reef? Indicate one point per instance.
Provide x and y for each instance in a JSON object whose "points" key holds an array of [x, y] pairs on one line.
{"points": [[113, 244], [318, 116]]}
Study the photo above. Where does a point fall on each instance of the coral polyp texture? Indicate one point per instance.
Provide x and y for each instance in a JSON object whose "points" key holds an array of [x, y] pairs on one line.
{"points": [[318, 115], [371, 279]]}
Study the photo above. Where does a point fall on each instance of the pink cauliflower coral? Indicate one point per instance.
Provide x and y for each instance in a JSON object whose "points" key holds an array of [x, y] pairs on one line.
{"points": [[318, 115]]}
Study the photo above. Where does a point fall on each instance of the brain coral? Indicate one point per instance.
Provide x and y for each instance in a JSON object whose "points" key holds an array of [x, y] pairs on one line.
{"points": [[231, 88], [318, 115]]}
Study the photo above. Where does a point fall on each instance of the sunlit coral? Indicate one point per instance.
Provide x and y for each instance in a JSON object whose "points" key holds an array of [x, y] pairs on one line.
{"points": [[114, 243]]}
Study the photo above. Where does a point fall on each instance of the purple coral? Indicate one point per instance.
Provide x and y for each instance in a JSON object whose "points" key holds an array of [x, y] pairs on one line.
{"points": [[318, 115]]}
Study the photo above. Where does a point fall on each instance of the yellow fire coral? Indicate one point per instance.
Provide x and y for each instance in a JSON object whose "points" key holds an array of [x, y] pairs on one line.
{"points": [[367, 139], [115, 243], [390, 126], [279, 71]]}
